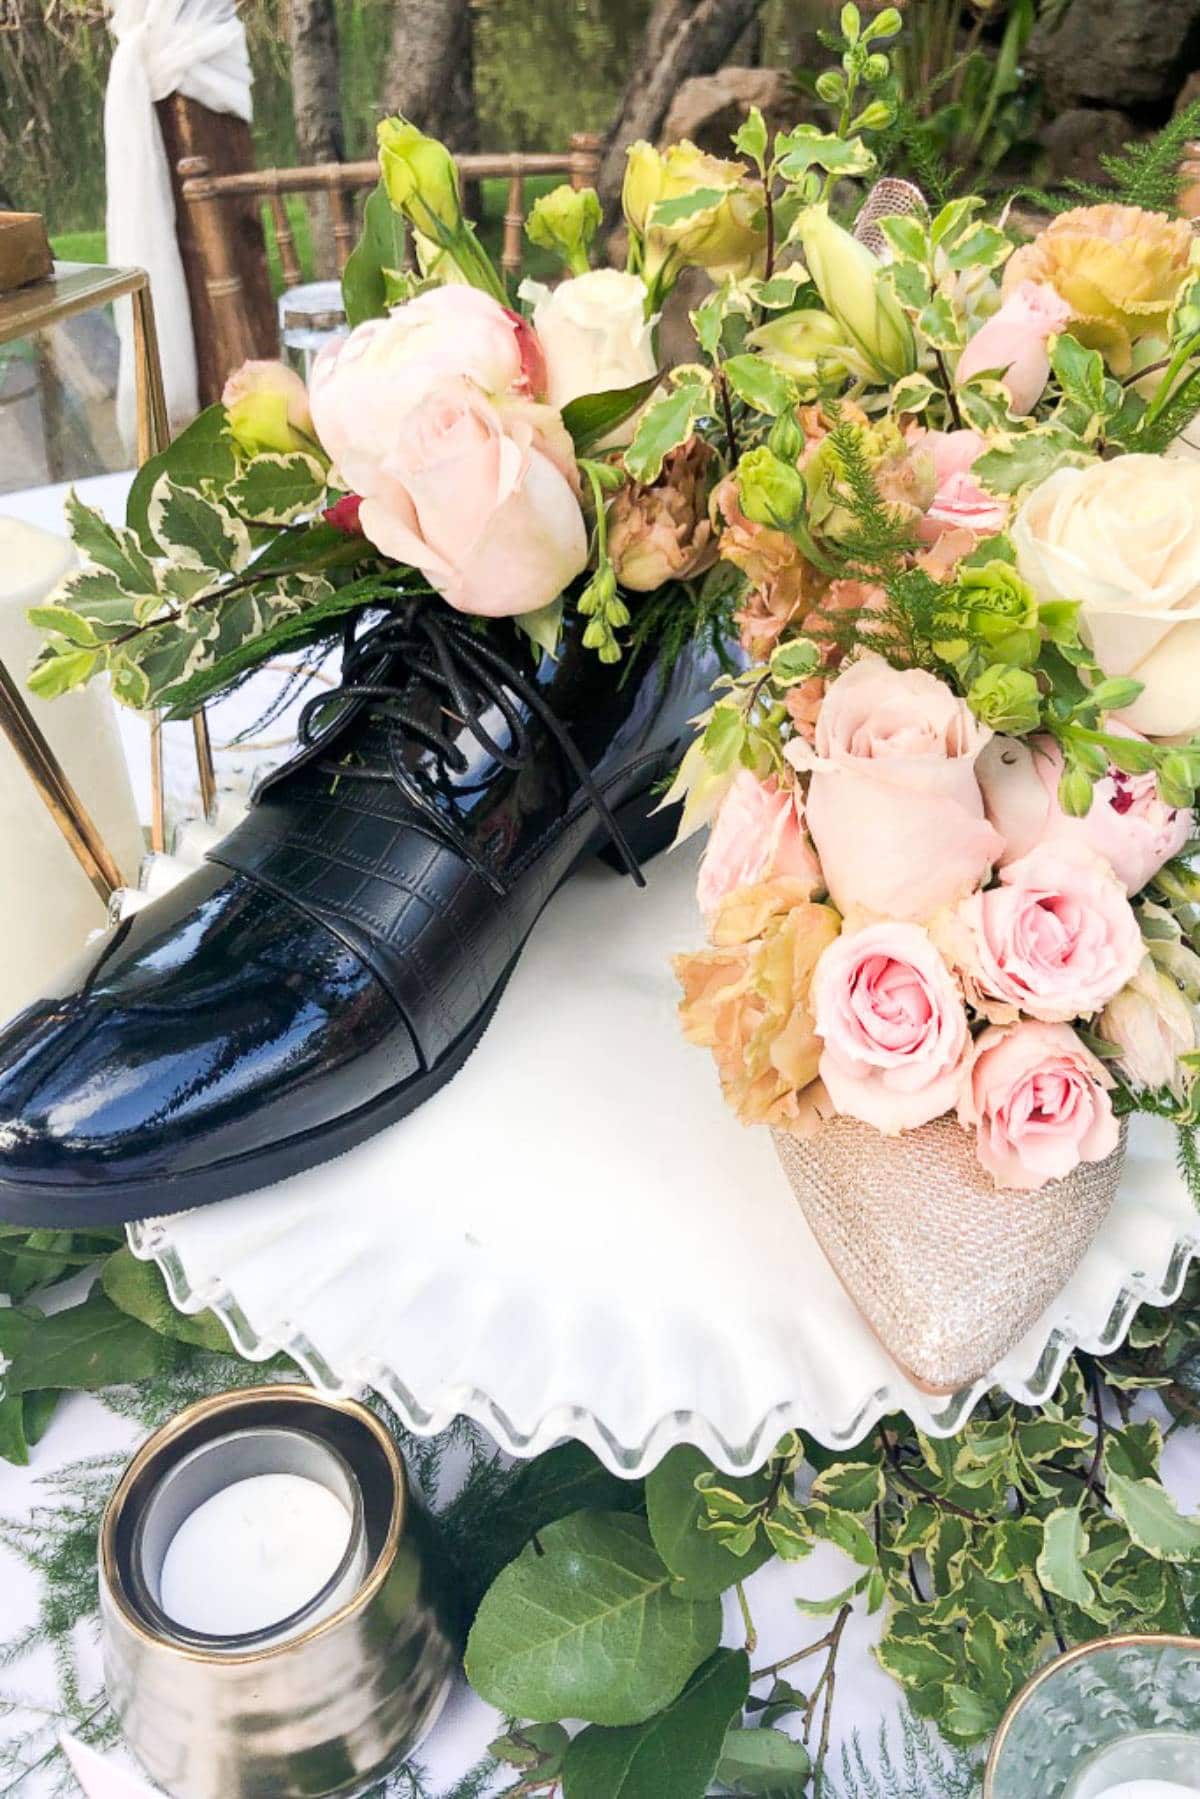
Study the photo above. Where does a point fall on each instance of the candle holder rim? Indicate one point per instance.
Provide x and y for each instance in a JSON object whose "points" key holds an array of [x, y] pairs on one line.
{"points": [[171, 1630], [288, 1392], [1081, 1652]]}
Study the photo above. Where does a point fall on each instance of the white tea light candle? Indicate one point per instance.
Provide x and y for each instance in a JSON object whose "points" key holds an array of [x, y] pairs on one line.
{"points": [[47, 905], [254, 1554], [251, 1539]]}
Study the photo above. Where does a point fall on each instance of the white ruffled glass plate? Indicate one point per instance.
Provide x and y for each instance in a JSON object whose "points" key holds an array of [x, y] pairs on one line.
{"points": [[576, 1238]]}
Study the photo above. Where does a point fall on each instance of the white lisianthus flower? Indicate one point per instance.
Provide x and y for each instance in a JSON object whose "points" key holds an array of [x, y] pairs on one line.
{"points": [[596, 337], [1124, 538]]}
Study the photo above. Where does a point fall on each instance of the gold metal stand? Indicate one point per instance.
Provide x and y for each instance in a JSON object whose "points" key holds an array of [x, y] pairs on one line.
{"points": [[74, 288]]}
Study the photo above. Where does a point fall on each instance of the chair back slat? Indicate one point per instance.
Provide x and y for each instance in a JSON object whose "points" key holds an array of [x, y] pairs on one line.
{"points": [[206, 195], [285, 241]]}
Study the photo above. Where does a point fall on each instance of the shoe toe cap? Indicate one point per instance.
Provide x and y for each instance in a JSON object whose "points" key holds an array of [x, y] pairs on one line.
{"points": [[208, 1027]]}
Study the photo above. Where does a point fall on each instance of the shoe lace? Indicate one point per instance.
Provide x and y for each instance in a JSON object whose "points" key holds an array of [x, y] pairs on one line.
{"points": [[431, 646]]}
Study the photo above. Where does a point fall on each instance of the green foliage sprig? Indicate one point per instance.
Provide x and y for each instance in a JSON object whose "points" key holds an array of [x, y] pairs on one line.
{"points": [[1145, 174]]}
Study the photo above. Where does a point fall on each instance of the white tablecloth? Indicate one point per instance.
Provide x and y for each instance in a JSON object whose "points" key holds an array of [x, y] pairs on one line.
{"points": [[41, 1690]]}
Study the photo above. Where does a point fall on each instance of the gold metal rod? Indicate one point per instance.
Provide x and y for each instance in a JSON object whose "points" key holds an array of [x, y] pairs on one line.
{"points": [[158, 796], [60, 798], [204, 764]]}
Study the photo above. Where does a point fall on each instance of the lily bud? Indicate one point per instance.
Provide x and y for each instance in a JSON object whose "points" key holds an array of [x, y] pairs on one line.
{"points": [[850, 282], [566, 221], [421, 178], [266, 408], [808, 346], [643, 183], [770, 492]]}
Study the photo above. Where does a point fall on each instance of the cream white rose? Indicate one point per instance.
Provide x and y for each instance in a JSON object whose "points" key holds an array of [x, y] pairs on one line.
{"points": [[596, 337], [1124, 538]]}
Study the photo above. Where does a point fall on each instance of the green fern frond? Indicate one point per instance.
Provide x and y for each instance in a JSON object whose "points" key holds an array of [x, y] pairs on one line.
{"points": [[907, 148], [1144, 174], [920, 1766], [1175, 417]]}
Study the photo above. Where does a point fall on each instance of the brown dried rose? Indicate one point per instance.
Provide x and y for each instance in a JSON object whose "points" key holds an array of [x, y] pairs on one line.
{"points": [[783, 585], [662, 532]]}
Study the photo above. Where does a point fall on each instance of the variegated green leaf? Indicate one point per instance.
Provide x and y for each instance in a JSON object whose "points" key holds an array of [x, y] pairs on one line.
{"points": [[277, 490], [198, 532]]}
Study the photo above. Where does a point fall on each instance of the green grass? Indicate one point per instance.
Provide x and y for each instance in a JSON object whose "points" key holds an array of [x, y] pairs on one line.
{"points": [[89, 246], [79, 246]]}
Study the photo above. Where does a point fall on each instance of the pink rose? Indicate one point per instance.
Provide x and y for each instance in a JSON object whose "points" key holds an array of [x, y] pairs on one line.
{"points": [[1038, 1101], [473, 503], [1013, 343], [758, 834], [1056, 939], [959, 502], [894, 808], [1128, 824], [431, 416], [893, 1025]]}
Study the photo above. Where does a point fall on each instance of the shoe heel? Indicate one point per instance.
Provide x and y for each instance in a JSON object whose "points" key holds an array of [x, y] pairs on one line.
{"points": [[646, 831]]}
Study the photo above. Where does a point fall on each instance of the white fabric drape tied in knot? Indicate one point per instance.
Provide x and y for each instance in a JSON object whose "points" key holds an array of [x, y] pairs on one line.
{"points": [[192, 47]]}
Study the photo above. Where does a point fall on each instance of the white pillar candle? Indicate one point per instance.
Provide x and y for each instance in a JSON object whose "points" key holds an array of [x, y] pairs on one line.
{"points": [[254, 1554], [48, 907], [1150, 1789]]}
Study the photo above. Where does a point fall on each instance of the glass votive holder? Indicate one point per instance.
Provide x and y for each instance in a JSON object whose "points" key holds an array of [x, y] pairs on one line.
{"points": [[1114, 1718], [276, 1615], [310, 317]]}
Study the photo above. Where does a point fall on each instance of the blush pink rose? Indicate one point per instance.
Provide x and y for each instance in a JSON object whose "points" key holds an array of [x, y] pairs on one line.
{"points": [[1128, 824], [894, 809], [758, 834], [1056, 939], [469, 499], [1038, 1101], [1014, 343], [431, 416], [893, 1025], [959, 502]]}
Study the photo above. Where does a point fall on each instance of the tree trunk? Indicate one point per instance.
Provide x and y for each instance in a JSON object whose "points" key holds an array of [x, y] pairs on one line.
{"points": [[683, 38], [317, 108], [431, 72]]}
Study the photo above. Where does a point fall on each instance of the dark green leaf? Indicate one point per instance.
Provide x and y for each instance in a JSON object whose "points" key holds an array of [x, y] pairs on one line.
{"points": [[14, 1444], [186, 697], [566, 1479], [764, 1764], [699, 1561], [200, 532], [591, 417], [39, 1410], [381, 246], [138, 1289], [114, 550], [672, 1756], [87, 1347], [584, 1625]]}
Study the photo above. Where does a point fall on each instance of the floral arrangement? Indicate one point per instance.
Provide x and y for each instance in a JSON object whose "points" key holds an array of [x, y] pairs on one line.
{"points": [[488, 449], [951, 794]]}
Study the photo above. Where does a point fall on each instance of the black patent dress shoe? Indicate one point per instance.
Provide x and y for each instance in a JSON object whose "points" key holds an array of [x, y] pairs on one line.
{"points": [[341, 954]]}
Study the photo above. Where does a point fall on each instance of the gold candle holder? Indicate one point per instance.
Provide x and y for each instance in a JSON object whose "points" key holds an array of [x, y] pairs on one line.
{"points": [[312, 1709]]}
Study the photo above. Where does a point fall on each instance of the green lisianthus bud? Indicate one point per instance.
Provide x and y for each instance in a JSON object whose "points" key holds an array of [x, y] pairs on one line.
{"points": [[786, 437], [998, 612], [1008, 700], [566, 221], [770, 491], [851, 285], [421, 178], [1075, 793]]}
